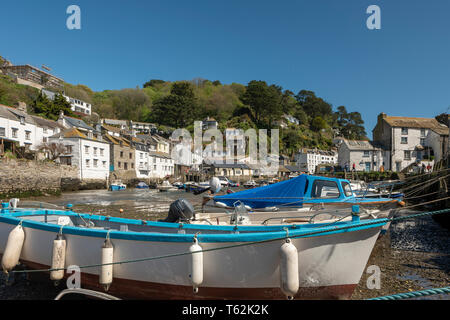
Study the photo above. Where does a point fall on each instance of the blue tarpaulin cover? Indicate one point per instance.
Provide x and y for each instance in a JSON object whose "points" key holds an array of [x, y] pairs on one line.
{"points": [[284, 193]]}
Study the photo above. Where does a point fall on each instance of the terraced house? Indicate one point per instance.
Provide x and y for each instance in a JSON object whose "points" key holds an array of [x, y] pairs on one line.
{"points": [[89, 154], [122, 157], [410, 140]]}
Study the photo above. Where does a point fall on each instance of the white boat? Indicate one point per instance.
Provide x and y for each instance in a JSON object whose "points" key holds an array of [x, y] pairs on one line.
{"points": [[250, 184], [161, 260], [166, 186]]}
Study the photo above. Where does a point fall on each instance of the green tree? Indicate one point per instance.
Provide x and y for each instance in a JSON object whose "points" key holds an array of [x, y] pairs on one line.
{"points": [[153, 83], [318, 124]]}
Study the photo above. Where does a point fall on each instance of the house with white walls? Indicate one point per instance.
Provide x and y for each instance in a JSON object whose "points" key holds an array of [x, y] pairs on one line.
{"points": [[76, 105], [411, 140], [17, 127], [308, 159], [91, 155]]}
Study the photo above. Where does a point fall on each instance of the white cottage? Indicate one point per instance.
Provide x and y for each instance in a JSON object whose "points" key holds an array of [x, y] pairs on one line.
{"points": [[89, 154]]}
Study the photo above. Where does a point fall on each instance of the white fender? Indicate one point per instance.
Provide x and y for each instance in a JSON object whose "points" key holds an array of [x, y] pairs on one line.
{"points": [[106, 272], [289, 279], [58, 258], [196, 265], [13, 248]]}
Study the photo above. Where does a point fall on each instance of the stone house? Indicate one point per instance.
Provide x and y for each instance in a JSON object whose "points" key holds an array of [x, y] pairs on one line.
{"points": [[366, 155], [410, 140], [122, 156]]}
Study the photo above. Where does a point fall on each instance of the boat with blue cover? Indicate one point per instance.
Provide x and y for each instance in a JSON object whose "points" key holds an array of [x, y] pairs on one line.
{"points": [[299, 194], [142, 185], [184, 260]]}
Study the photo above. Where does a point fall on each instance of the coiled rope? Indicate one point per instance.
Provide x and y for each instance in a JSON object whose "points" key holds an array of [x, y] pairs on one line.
{"points": [[415, 294]]}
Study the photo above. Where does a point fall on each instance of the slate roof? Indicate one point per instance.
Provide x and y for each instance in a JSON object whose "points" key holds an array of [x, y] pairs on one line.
{"points": [[422, 123]]}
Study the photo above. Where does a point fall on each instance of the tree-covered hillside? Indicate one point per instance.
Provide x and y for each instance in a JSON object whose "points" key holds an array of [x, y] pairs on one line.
{"points": [[304, 119]]}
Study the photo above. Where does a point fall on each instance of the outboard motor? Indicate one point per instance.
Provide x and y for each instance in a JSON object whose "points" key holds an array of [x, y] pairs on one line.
{"points": [[180, 210]]}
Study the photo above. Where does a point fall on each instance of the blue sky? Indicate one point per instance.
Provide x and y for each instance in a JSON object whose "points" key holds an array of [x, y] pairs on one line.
{"points": [[323, 46]]}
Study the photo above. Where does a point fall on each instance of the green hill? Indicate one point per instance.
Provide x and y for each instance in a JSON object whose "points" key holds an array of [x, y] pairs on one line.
{"points": [[179, 104]]}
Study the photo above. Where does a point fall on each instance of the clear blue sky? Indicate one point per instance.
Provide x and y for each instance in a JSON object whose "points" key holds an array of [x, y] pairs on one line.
{"points": [[318, 45]]}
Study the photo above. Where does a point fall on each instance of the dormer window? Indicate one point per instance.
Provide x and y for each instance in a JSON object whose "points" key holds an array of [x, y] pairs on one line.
{"points": [[22, 120]]}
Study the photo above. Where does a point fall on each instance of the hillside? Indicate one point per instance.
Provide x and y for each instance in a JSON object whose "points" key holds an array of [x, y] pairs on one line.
{"points": [[179, 104]]}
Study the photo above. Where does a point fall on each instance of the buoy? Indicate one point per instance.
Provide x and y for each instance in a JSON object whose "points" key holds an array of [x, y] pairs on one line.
{"points": [[401, 203], [58, 258], [196, 267], [106, 272], [13, 248], [289, 269], [121, 210]]}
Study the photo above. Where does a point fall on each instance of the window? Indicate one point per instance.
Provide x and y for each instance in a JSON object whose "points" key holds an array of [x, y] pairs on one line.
{"points": [[86, 149], [141, 155], [422, 141], [45, 130], [125, 165], [120, 164], [2, 132], [132, 165], [325, 189], [87, 163], [422, 132], [407, 155], [95, 163], [104, 164], [95, 151], [131, 155], [14, 132], [121, 154], [404, 140], [101, 151], [154, 167], [27, 135], [405, 131], [366, 154], [347, 189]]}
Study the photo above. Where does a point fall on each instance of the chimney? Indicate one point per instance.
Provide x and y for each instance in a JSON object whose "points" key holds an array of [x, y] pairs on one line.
{"points": [[22, 106], [61, 119]]}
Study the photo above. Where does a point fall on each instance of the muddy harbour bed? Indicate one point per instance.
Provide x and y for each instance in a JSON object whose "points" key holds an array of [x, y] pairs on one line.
{"points": [[413, 255]]}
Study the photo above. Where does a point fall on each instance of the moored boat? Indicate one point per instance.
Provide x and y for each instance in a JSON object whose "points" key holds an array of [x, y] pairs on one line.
{"points": [[117, 185], [142, 185], [300, 194], [162, 260], [166, 186]]}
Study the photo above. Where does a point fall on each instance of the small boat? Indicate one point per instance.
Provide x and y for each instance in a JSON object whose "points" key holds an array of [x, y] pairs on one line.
{"points": [[117, 185], [300, 194], [142, 185], [166, 186], [274, 180], [179, 185], [166, 260], [250, 184]]}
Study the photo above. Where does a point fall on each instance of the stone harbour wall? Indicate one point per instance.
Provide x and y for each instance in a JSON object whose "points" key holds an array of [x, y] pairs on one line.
{"points": [[22, 178]]}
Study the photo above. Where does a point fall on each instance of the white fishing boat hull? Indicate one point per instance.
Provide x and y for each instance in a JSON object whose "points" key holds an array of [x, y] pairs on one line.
{"points": [[330, 266]]}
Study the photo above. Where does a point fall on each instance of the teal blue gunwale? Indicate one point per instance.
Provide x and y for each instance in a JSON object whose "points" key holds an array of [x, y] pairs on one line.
{"points": [[14, 217]]}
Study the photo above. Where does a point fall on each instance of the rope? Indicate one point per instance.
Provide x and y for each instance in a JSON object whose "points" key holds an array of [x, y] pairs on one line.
{"points": [[415, 294], [384, 220]]}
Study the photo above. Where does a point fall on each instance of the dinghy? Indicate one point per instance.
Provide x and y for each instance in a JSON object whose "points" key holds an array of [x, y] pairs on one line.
{"points": [[117, 185], [164, 260]]}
